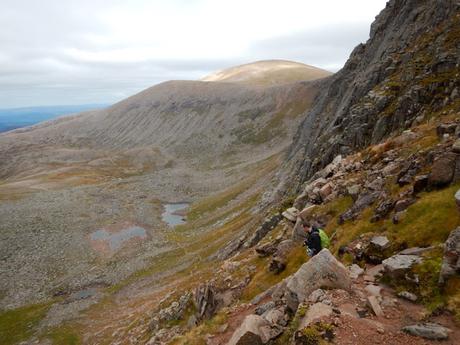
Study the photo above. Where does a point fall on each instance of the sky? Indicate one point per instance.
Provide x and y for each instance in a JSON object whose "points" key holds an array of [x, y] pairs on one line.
{"points": [[57, 52]]}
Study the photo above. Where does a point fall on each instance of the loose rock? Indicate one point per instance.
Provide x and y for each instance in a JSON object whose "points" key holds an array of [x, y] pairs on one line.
{"points": [[430, 331], [398, 265], [408, 295]]}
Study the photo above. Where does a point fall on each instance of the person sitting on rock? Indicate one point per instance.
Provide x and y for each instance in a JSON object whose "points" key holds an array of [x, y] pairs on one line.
{"points": [[316, 239]]}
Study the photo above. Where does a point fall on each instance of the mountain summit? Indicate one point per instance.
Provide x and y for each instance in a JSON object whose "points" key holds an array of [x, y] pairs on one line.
{"points": [[268, 72]]}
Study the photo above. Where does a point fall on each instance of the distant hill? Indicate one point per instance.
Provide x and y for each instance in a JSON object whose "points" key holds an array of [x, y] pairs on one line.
{"points": [[21, 117], [268, 72]]}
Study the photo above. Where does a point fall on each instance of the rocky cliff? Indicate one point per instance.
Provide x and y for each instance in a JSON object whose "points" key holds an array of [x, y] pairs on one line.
{"points": [[406, 72]]}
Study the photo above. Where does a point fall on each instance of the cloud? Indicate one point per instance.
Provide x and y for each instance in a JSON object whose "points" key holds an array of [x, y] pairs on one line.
{"points": [[100, 51]]}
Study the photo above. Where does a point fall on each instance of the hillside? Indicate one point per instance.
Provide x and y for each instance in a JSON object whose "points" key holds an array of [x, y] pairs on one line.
{"points": [[82, 198]]}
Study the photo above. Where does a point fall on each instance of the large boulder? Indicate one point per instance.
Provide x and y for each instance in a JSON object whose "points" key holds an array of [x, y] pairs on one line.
{"points": [[322, 270], [442, 172], [254, 330], [451, 261], [398, 265]]}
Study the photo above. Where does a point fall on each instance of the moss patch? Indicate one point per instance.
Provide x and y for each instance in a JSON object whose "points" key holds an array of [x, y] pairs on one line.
{"points": [[19, 324]]}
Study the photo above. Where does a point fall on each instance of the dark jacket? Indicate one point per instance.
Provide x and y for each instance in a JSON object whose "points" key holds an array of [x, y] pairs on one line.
{"points": [[313, 241]]}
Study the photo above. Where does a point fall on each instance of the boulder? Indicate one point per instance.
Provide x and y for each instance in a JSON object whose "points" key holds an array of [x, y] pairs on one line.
{"points": [[374, 304], [430, 331], [314, 313], [354, 191], [446, 128], [380, 242], [451, 260], [205, 301], [355, 271], [291, 214], [457, 199], [415, 250], [277, 264], [317, 296], [269, 224], [279, 260], [277, 316], [326, 190], [420, 183], [442, 171], [322, 270], [383, 209], [266, 250], [254, 330], [456, 146], [284, 248], [363, 201], [374, 272], [408, 295], [398, 265], [305, 213], [373, 290], [403, 204]]}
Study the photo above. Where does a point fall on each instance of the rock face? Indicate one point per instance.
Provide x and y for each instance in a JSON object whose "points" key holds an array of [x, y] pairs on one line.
{"points": [[377, 91], [322, 270], [451, 261], [431, 331]]}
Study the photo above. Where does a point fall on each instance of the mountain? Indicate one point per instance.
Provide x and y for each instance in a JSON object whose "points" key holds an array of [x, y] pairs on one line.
{"points": [[269, 72], [176, 141], [22, 117]]}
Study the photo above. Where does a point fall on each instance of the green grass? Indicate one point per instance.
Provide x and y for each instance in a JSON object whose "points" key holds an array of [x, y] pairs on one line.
{"points": [[429, 220], [19, 324], [263, 279], [63, 335]]}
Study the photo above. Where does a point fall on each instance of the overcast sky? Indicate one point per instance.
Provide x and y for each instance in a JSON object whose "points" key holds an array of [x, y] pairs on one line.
{"points": [[101, 51]]}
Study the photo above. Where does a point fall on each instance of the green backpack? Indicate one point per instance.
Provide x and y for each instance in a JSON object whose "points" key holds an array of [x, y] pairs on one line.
{"points": [[325, 241]]}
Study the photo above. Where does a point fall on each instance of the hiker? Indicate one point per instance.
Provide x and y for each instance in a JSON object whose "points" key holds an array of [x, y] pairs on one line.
{"points": [[316, 240]]}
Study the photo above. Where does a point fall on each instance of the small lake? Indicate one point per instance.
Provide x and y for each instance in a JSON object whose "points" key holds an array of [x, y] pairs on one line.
{"points": [[174, 214], [116, 239]]}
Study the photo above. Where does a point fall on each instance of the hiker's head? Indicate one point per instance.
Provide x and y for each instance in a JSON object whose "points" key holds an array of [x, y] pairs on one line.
{"points": [[306, 227], [313, 228]]}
